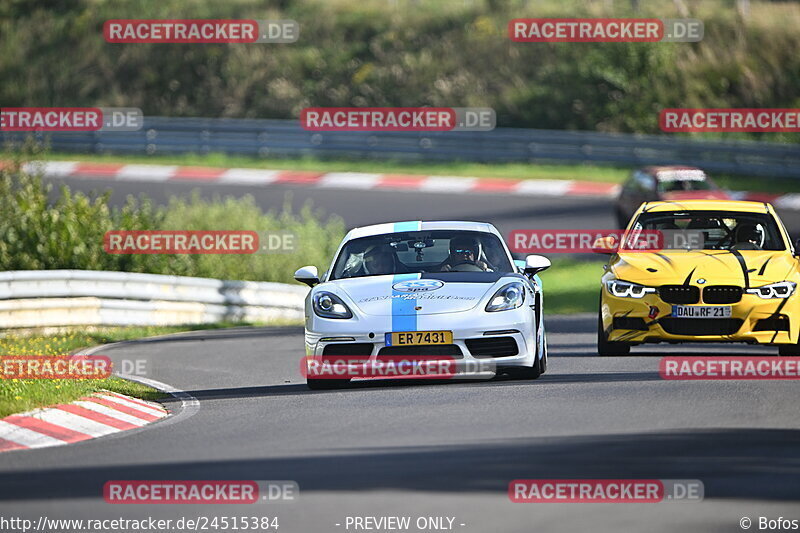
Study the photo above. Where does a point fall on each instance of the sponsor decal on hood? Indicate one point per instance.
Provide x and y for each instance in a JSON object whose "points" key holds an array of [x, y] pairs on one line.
{"points": [[751, 268], [418, 285]]}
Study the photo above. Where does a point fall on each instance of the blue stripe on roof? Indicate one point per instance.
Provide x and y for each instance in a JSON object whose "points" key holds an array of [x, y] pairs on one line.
{"points": [[408, 226]]}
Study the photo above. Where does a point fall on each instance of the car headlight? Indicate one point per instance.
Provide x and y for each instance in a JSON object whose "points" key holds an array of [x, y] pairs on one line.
{"points": [[782, 289], [626, 289], [328, 305], [508, 297]]}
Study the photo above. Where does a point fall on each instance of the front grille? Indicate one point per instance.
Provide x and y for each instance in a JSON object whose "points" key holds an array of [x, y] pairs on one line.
{"points": [[492, 347], [700, 327], [629, 322], [348, 348], [778, 323], [722, 294], [422, 350], [679, 294]]}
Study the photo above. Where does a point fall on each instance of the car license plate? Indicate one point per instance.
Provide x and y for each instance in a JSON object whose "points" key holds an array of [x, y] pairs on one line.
{"points": [[701, 311], [409, 338]]}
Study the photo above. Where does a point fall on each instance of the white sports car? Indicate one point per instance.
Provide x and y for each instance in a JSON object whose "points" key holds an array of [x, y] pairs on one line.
{"points": [[429, 289]]}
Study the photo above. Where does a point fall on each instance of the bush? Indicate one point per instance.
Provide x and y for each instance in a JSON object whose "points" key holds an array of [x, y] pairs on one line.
{"points": [[41, 233], [404, 53]]}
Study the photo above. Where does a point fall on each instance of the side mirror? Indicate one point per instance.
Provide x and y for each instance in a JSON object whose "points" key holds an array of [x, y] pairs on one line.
{"points": [[535, 264], [308, 275], [606, 245], [797, 247]]}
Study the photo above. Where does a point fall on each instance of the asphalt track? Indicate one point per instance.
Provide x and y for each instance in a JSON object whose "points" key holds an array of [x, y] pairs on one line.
{"points": [[434, 449], [363, 207]]}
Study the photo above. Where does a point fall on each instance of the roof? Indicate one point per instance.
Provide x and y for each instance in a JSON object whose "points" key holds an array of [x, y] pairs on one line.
{"points": [[706, 205], [676, 172], [417, 225]]}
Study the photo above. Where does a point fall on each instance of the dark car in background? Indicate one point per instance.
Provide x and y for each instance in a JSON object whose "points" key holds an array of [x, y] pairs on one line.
{"points": [[649, 184]]}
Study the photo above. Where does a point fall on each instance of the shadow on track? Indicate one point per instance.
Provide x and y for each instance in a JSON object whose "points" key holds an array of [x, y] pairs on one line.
{"points": [[501, 381], [760, 464]]}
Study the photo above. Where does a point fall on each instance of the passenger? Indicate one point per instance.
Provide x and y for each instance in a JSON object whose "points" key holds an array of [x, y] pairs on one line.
{"points": [[464, 251]]}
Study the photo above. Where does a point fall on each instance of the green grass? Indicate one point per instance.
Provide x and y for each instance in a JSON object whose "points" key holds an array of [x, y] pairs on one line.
{"points": [[743, 183], [19, 395], [571, 286], [581, 172]]}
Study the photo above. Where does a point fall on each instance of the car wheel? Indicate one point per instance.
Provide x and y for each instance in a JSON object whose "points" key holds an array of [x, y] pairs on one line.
{"points": [[525, 372], [543, 362], [326, 384], [606, 348]]}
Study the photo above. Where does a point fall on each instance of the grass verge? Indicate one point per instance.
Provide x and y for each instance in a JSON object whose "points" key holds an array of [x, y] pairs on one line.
{"points": [[581, 172], [19, 395], [571, 286]]}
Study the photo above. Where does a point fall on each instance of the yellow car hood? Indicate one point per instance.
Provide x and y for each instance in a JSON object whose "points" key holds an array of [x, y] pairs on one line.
{"points": [[676, 267]]}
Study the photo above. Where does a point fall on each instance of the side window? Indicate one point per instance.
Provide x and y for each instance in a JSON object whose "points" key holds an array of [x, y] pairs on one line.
{"points": [[644, 182]]}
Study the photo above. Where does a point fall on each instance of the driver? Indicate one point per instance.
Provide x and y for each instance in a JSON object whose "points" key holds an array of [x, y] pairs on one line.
{"points": [[463, 250], [748, 237], [379, 260]]}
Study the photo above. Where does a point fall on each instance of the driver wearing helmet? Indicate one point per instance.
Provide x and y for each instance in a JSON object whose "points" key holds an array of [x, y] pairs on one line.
{"points": [[464, 251], [749, 237], [378, 259]]}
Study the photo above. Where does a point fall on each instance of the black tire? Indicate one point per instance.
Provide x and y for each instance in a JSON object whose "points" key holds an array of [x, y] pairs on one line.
{"points": [[543, 362], [789, 350], [326, 384], [525, 372], [606, 348]]}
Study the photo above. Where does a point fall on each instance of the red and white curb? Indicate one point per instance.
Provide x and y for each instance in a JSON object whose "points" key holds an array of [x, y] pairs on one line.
{"points": [[94, 416], [358, 180], [330, 180]]}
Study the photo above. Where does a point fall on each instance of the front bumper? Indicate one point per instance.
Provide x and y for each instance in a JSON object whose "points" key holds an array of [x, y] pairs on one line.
{"points": [[466, 327], [753, 320]]}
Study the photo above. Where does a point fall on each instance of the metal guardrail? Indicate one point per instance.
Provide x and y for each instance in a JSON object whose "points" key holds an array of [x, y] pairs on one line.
{"points": [[45, 298], [285, 138]]}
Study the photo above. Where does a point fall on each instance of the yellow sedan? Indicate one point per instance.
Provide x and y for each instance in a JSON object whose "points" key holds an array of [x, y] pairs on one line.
{"points": [[723, 271]]}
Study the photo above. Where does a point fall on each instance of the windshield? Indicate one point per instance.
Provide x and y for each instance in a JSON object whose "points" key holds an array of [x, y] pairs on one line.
{"points": [[718, 230], [422, 251], [683, 185]]}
